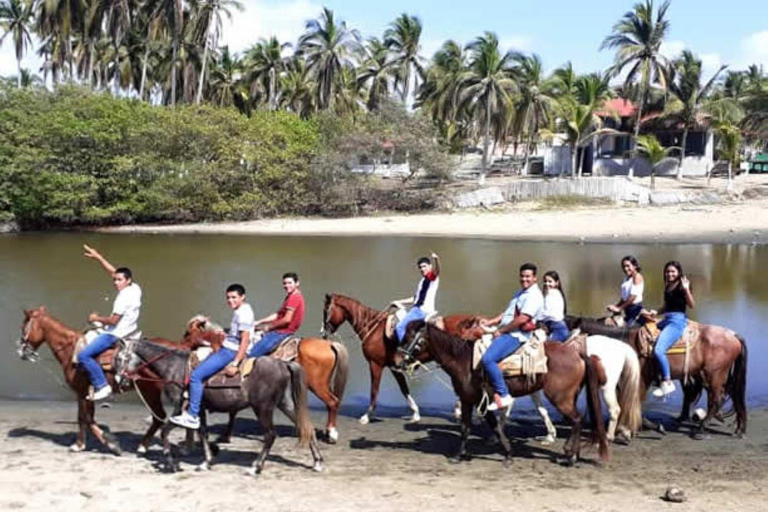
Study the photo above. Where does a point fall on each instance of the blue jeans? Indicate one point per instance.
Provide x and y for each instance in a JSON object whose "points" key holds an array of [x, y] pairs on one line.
{"points": [[501, 347], [632, 314], [672, 328], [414, 314], [212, 365], [268, 342], [87, 358], [558, 331]]}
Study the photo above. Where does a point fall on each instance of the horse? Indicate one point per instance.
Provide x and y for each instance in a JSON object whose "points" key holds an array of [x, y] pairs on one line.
{"points": [[716, 361], [567, 371], [621, 391], [271, 383], [326, 366], [379, 351]]}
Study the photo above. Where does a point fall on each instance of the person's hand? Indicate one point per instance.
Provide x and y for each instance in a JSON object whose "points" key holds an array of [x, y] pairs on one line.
{"points": [[685, 282], [231, 371], [395, 304], [435, 256], [612, 308], [93, 317], [90, 252], [496, 334]]}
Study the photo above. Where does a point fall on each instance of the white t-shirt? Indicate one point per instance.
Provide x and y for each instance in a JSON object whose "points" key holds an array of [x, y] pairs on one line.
{"points": [[128, 306], [554, 306], [527, 302], [629, 288], [426, 293], [243, 319]]}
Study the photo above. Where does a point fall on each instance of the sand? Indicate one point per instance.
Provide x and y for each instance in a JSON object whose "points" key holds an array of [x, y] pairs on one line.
{"points": [[386, 465]]}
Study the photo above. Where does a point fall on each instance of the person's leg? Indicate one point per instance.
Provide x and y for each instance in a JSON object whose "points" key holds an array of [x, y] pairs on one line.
{"points": [[87, 359], [632, 315], [268, 342], [501, 347], [209, 367], [558, 331], [674, 326], [412, 315]]}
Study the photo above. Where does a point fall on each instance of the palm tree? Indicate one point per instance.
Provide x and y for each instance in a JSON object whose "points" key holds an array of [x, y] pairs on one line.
{"points": [[487, 86], [56, 23], [637, 38], [375, 72], [403, 39], [535, 104], [729, 143], [226, 86], [265, 64], [298, 89], [327, 47], [167, 17], [687, 95], [16, 19], [650, 149], [438, 93], [209, 24]]}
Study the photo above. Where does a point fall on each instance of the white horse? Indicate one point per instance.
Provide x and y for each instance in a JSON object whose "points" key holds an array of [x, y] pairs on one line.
{"points": [[622, 372]]}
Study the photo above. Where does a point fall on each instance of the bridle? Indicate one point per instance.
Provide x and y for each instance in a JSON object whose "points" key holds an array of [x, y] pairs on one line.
{"points": [[25, 349], [327, 329]]}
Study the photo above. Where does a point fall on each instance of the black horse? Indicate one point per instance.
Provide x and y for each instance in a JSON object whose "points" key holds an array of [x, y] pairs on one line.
{"points": [[568, 371], [272, 383]]}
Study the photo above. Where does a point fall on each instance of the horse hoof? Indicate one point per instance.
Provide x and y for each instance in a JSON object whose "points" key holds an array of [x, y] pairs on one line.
{"points": [[184, 451], [252, 471], [698, 436], [546, 440], [661, 430], [76, 448], [333, 436], [214, 449], [507, 462], [115, 449], [203, 467], [622, 439], [415, 418], [317, 468], [570, 460], [364, 419], [141, 450], [455, 459]]}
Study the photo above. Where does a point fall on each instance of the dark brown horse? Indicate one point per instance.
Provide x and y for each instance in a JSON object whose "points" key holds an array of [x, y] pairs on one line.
{"points": [[379, 351], [325, 364], [717, 362], [40, 327], [567, 372]]}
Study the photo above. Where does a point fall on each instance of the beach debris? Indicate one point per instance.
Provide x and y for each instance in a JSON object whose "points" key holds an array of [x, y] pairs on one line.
{"points": [[674, 494]]}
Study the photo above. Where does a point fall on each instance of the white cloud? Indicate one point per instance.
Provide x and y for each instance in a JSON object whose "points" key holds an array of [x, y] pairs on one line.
{"points": [[754, 49], [520, 43], [672, 49], [261, 19]]}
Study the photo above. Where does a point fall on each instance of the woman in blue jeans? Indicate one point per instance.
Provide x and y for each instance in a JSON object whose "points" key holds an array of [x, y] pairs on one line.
{"points": [[554, 311], [677, 298]]}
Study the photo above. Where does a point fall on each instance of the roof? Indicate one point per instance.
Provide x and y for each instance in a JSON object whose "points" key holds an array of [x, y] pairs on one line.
{"points": [[759, 158], [619, 107]]}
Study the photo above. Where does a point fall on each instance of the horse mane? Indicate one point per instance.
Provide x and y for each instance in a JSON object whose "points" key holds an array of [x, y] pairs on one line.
{"points": [[361, 313], [208, 324], [457, 348], [55, 323], [165, 348]]}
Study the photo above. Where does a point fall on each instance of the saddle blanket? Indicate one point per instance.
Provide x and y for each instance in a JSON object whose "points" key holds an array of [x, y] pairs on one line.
{"points": [[529, 359], [649, 333]]}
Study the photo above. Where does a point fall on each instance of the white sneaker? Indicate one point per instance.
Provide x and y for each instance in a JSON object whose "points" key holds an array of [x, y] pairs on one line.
{"points": [[102, 393], [501, 403], [186, 420], [667, 388]]}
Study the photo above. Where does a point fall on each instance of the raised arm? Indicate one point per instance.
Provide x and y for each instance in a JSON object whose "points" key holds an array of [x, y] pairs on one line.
{"points": [[435, 264], [92, 253]]}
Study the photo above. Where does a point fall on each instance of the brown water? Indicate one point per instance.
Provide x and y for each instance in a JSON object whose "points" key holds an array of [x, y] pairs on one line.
{"points": [[185, 275]]}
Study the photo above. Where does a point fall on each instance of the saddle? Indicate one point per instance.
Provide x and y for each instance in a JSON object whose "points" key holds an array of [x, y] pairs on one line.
{"points": [[528, 360], [287, 350], [397, 317], [105, 359], [649, 333]]}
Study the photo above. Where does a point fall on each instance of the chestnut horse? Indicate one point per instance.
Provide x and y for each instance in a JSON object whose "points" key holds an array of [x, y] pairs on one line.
{"points": [[717, 361], [326, 366], [40, 327], [567, 371]]}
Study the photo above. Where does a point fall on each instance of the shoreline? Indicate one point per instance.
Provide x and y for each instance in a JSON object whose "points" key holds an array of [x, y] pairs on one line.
{"points": [[744, 222]]}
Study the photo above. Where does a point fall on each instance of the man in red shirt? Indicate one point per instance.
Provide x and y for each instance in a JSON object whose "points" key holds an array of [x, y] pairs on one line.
{"points": [[285, 322]]}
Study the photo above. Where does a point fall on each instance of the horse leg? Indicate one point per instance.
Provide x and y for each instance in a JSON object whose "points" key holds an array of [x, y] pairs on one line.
{"points": [[331, 401], [714, 401], [82, 426], [466, 425], [226, 436], [170, 464], [264, 415], [207, 453], [690, 393], [551, 431], [572, 447], [155, 404], [614, 411], [317, 457], [402, 383], [498, 427], [375, 370], [107, 440]]}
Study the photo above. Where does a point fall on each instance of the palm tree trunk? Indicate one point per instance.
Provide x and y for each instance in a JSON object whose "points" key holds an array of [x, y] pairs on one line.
{"points": [[730, 176], [574, 159], [583, 157], [205, 62], [144, 72], [18, 72], [272, 89], [637, 125], [406, 84], [173, 68], [528, 151], [91, 50], [486, 142], [682, 153]]}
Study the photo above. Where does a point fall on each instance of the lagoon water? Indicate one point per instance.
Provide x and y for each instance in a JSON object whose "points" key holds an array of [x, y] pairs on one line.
{"points": [[182, 275]]}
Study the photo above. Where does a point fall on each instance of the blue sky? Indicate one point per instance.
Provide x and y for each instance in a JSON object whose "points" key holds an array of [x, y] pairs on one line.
{"points": [[734, 32]]}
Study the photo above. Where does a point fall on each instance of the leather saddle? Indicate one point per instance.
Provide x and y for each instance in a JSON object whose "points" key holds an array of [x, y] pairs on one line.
{"points": [[649, 333], [287, 350], [530, 359]]}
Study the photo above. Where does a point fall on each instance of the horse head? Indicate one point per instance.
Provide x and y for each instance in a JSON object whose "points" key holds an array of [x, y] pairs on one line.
{"points": [[202, 332], [32, 334], [333, 315]]}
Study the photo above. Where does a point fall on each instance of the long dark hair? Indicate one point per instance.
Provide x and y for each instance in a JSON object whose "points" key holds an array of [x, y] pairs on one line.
{"points": [[633, 261], [554, 275], [678, 266]]}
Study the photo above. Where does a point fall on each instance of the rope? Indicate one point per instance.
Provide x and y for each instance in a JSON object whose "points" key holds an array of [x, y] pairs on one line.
{"points": [[138, 392], [482, 407]]}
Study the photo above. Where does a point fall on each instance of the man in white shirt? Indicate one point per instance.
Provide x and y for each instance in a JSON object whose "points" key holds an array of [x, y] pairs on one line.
{"points": [[515, 326], [229, 356], [121, 322], [423, 301]]}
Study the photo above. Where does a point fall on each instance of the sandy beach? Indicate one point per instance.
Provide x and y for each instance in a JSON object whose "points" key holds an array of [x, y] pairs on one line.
{"points": [[386, 465], [742, 220]]}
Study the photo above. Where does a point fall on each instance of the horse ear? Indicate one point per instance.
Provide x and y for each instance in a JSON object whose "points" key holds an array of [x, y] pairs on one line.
{"points": [[327, 298]]}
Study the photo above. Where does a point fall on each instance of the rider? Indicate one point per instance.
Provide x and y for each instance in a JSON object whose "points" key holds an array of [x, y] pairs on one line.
{"points": [[121, 322], [632, 287], [515, 326], [229, 356], [553, 314], [423, 301], [677, 297], [286, 321]]}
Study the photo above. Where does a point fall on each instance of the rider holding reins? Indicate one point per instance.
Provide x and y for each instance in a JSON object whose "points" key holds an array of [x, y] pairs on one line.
{"points": [[283, 323], [423, 301]]}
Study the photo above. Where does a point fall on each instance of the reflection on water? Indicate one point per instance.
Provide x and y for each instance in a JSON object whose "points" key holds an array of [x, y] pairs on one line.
{"points": [[185, 275]]}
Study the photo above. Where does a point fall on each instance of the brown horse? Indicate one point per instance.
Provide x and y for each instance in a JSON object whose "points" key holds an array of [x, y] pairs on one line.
{"points": [[379, 351], [717, 361], [567, 372], [40, 327], [326, 366]]}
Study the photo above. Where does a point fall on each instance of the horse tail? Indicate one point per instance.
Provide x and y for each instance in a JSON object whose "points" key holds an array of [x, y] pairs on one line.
{"points": [[593, 365], [631, 416], [340, 370], [737, 386], [299, 395]]}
